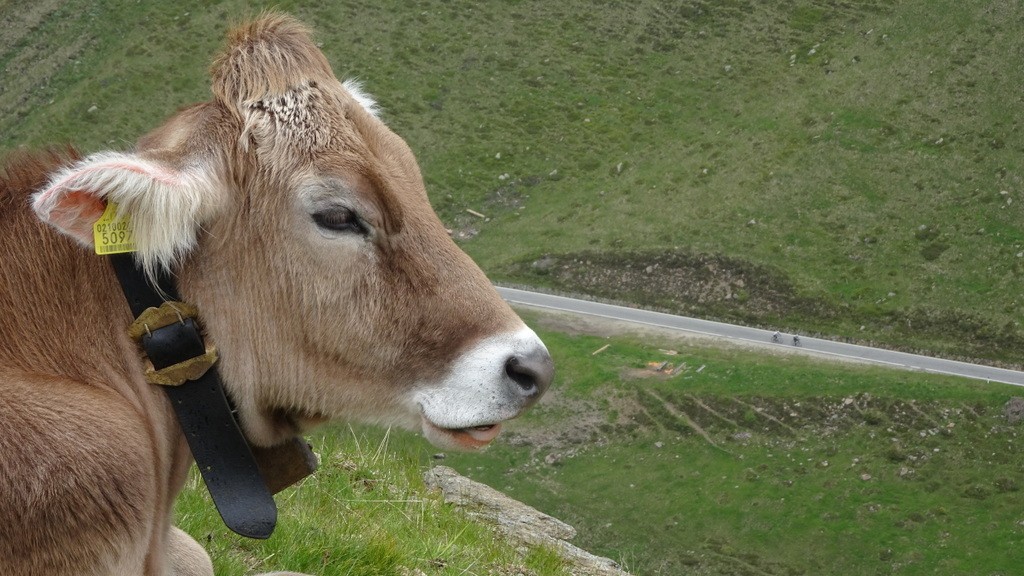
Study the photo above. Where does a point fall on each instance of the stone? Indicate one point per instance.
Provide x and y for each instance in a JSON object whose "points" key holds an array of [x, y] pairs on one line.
{"points": [[518, 521]]}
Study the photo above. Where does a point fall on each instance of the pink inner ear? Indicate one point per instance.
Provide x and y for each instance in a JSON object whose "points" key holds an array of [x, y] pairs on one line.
{"points": [[75, 213]]}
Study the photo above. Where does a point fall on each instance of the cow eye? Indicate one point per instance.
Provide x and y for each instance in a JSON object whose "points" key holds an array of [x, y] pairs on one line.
{"points": [[339, 219]]}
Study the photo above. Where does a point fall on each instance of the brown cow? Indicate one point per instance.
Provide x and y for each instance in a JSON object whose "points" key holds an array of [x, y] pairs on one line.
{"points": [[299, 226]]}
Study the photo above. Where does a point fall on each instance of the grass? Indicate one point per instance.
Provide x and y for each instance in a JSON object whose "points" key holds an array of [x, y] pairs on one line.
{"points": [[748, 464], [742, 463], [367, 512]]}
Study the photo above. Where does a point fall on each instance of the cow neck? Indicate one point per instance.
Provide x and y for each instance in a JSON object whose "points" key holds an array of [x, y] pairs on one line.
{"points": [[224, 457]]}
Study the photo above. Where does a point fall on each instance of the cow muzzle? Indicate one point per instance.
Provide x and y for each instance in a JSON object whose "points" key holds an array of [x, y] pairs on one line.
{"points": [[531, 373], [492, 382]]}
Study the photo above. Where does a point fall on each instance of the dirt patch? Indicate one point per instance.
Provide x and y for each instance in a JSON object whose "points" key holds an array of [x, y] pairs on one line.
{"points": [[510, 196], [688, 283], [22, 18], [584, 424]]}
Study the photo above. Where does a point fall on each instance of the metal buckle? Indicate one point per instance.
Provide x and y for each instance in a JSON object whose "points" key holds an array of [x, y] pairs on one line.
{"points": [[156, 318]]}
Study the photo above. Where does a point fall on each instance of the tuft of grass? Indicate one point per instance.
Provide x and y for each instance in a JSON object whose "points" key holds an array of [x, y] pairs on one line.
{"points": [[366, 511]]}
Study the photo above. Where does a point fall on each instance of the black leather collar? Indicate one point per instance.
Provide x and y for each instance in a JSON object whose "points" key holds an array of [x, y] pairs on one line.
{"points": [[224, 457]]}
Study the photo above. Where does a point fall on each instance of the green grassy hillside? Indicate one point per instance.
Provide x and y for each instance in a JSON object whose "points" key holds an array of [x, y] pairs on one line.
{"points": [[744, 463], [851, 169], [725, 462]]}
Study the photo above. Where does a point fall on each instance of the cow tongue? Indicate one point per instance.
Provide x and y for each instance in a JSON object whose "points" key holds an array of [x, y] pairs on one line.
{"points": [[469, 438], [483, 434]]}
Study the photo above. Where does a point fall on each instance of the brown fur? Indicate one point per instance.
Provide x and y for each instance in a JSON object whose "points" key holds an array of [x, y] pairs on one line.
{"points": [[91, 457]]}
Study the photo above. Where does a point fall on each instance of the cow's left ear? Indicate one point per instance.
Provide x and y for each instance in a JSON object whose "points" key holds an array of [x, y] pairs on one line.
{"points": [[165, 206]]}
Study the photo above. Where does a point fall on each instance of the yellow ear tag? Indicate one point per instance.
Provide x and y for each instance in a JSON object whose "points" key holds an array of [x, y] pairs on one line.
{"points": [[113, 235]]}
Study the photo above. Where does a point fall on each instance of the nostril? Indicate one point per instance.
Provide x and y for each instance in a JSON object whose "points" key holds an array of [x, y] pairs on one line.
{"points": [[531, 372], [521, 375]]}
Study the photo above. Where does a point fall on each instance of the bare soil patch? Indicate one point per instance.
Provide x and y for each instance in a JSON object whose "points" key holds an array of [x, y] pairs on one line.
{"points": [[22, 18], [677, 280]]}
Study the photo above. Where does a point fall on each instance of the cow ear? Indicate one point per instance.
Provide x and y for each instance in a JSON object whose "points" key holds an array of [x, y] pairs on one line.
{"points": [[164, 205]]}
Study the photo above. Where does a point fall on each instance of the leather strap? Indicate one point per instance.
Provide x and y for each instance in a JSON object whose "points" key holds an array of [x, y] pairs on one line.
{"points": [[224, 457]]}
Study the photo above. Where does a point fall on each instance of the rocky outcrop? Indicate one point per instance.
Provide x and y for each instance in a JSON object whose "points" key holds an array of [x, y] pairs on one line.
{"points": [[518, 521], [1014, 411]]}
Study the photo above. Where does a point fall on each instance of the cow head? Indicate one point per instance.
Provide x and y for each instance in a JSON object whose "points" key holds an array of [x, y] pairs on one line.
{"points": [[299, 225]]}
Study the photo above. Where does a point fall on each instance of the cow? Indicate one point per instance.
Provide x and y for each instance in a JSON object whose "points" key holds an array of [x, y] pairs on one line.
{"points": [[298, 225]]}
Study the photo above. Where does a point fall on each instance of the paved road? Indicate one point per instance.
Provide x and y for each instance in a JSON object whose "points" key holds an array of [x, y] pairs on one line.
{"points": [[759, 336]]}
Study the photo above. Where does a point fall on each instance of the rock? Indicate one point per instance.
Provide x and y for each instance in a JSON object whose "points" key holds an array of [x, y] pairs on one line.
{"points": [[1014, 410], [543, 264], [483, 501], [518, 521]]}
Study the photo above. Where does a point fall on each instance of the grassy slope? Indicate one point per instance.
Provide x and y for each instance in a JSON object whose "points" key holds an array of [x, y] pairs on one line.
{"points": [[743, 463], [773, 483], [799, 467], [365, 511], [855, 154]]}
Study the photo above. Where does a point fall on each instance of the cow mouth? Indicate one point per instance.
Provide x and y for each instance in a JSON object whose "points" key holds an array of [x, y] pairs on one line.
{"points": [[471, 438]]}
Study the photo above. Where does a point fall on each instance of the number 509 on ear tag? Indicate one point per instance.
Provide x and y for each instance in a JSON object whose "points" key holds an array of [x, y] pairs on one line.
{"points": [[113, 235]]}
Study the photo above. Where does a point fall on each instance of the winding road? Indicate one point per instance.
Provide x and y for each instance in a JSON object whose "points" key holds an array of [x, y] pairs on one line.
{"points": [[809, 345]]}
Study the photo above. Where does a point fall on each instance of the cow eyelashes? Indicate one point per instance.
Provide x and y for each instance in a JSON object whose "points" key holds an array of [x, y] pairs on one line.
{"points": [[339, 219]]}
